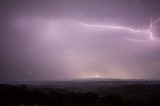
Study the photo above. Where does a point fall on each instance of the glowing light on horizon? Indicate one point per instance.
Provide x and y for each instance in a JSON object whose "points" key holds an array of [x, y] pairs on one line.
{"points": [[97, 75]]}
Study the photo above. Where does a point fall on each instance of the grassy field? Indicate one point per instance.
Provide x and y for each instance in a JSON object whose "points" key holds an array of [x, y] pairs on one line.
{"points": [[81, 93]]}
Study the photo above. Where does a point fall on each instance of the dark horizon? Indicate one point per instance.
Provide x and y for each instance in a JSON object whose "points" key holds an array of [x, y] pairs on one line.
{"points": [[79, 80]]}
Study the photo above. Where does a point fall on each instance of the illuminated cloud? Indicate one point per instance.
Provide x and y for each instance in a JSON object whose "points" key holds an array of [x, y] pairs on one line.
{"points": [[60, 40]]}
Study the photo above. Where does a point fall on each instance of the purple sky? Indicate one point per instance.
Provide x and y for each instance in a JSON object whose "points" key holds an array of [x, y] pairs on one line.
{"points": [[74, 39]]}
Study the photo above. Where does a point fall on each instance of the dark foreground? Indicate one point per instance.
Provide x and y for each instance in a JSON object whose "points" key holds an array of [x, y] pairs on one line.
{"points": [[79, 93]]}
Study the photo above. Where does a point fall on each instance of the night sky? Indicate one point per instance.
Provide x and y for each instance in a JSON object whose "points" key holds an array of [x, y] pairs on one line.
{"points": [[77, 39]]}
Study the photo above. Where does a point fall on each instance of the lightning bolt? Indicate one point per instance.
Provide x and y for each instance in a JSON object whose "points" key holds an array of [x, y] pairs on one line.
{"points": [[150, 32], [146, 31], [157, 20], [110, 27], [151, 25]]}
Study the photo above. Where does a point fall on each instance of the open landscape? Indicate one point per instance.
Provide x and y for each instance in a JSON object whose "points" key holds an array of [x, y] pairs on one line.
{"points": [[79, 52], [90, 92]]}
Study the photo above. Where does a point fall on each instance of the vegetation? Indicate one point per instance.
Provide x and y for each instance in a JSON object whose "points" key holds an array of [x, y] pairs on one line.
{"points": [[119, 96]]}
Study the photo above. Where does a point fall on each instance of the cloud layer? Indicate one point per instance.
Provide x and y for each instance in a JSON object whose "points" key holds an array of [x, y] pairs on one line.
{"points": [[46, 40]]}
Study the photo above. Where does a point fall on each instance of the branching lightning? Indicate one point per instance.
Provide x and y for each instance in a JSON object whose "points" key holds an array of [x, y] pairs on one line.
{"points": [[146, 31], [150, 27], [150, 32]]}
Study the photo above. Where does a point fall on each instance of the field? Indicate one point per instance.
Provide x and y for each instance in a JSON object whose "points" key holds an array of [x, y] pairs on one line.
{"points": [[91, 92]]}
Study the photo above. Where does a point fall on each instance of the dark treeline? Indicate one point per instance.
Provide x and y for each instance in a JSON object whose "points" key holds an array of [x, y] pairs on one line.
{"points": [[24, 95], [14, 95]]}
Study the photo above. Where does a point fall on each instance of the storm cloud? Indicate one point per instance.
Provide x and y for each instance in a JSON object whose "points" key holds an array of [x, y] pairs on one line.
{"points": [[70, 39]]}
